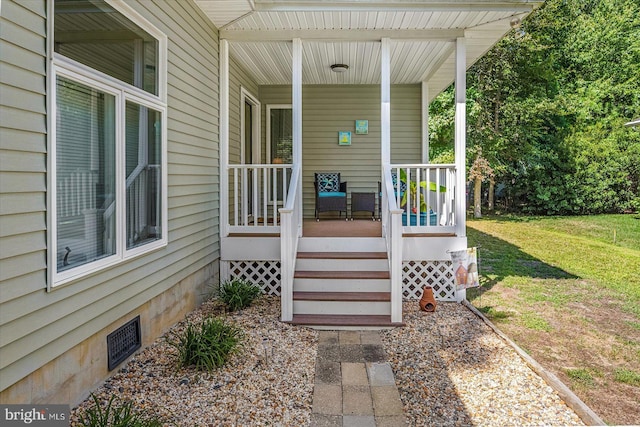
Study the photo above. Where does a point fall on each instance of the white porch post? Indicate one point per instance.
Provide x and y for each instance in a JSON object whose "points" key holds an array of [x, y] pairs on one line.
{"points": [[385, 128], [460, 136], [460, 145], [224, 137], [425, 122], [385, 98], [289, 235], [296, 95]]}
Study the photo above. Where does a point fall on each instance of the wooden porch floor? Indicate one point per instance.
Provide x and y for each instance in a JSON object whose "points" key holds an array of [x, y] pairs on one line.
{"points": [[341, 228]]}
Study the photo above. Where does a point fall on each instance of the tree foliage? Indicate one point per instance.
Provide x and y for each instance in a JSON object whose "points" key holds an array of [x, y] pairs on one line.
{"points": [[547, 106]]}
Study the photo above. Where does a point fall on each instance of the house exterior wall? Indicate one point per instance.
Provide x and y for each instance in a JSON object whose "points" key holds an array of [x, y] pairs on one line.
{"points": [[56, 341], [328, 109]]}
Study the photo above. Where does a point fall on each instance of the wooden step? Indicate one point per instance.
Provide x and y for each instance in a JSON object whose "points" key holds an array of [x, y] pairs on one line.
{"points": [[341, 274], [342, 296], [254, 235], [343, 320], [429, 235], [342, 255]]}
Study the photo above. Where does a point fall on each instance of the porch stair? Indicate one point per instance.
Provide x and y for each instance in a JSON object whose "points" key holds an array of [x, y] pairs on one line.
{"points": [[342, 283]]}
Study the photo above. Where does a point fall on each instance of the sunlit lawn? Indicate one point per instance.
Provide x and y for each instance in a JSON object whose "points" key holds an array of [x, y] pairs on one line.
{"points": [[567, 290], [603, 248]]}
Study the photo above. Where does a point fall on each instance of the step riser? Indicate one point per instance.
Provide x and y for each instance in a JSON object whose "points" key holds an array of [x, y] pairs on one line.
{"points": [[342, 307], [342, 285], [341, 244], [325, 264]]}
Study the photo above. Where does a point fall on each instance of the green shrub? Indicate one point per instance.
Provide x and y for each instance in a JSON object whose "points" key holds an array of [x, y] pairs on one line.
{"points": [[208, 345], [238, 293], [116, 414]]}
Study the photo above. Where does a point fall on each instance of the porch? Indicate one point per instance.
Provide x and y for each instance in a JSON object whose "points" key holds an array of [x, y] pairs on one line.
{"points": [[279, 63], [344, 273]]}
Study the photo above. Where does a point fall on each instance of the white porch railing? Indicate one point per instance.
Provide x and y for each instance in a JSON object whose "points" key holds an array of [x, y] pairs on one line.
{"points": [[392, 232], [291, 230], [427, 185], [255, 194]]}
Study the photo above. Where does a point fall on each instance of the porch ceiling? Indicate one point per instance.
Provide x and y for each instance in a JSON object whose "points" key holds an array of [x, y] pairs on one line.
{"points": [[348, 32]]}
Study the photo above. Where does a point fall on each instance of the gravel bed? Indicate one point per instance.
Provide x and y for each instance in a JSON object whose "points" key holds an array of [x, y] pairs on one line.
{"points": [[451, 369], [245, 392]]}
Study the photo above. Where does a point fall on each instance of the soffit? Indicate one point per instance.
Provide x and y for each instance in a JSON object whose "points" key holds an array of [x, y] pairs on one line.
{"points": [[422, 34]]}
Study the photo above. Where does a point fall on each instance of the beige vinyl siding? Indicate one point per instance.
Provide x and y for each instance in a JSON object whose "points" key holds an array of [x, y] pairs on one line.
{"points": [[328, 109], [36, 326], [22, 150]]}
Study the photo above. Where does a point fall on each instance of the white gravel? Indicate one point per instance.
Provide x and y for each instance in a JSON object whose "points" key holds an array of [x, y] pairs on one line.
{"points": [[245, 392], [451, 369]]}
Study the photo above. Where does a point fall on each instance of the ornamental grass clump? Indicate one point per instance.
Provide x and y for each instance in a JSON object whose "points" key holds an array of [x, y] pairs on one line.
{"points": [[209, 345], [238, 294], [116, 414]]}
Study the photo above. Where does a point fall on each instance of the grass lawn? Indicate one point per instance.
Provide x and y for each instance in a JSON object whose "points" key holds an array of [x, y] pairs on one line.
{"points": [[567, 290]]}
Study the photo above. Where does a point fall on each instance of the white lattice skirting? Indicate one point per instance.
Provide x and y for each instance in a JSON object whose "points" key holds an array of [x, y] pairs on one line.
{"points": [[437, 274], [266, 274]]}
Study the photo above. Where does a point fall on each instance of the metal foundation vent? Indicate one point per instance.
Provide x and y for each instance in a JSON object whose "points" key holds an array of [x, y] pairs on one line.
{"points": [[123, 342]]}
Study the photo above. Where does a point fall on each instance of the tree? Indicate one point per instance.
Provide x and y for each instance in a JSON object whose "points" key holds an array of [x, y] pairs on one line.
{"points": [[547, 110], [480, 171]]}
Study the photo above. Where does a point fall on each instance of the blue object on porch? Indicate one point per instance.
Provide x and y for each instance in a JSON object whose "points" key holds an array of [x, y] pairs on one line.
{"points": [[331, 193], [413, 218]]}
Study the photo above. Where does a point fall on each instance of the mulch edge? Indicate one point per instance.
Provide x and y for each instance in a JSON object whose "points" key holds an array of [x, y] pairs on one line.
{"points": [[581, 409]]}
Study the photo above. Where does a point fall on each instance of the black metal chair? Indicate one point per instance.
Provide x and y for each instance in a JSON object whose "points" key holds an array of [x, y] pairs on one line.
{"points": [[331, 193]]}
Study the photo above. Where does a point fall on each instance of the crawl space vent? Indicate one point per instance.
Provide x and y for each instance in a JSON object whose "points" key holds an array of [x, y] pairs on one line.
{"points": [[123, 342]]}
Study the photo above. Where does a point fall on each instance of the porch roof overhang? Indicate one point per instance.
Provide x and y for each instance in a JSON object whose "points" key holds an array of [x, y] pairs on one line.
{"points": [[422, 35]]}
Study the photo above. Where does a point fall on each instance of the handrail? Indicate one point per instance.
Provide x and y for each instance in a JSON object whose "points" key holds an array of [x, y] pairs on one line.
{"points": [[261, 166], [392, 231], [290, 230]]}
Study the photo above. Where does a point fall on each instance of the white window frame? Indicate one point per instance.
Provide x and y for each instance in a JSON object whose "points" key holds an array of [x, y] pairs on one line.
{"points": [[246, 96], [59, 65], [268, 125]]}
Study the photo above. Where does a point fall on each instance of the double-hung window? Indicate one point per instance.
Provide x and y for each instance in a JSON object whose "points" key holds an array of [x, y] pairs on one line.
{"points": [[107, 148]]}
